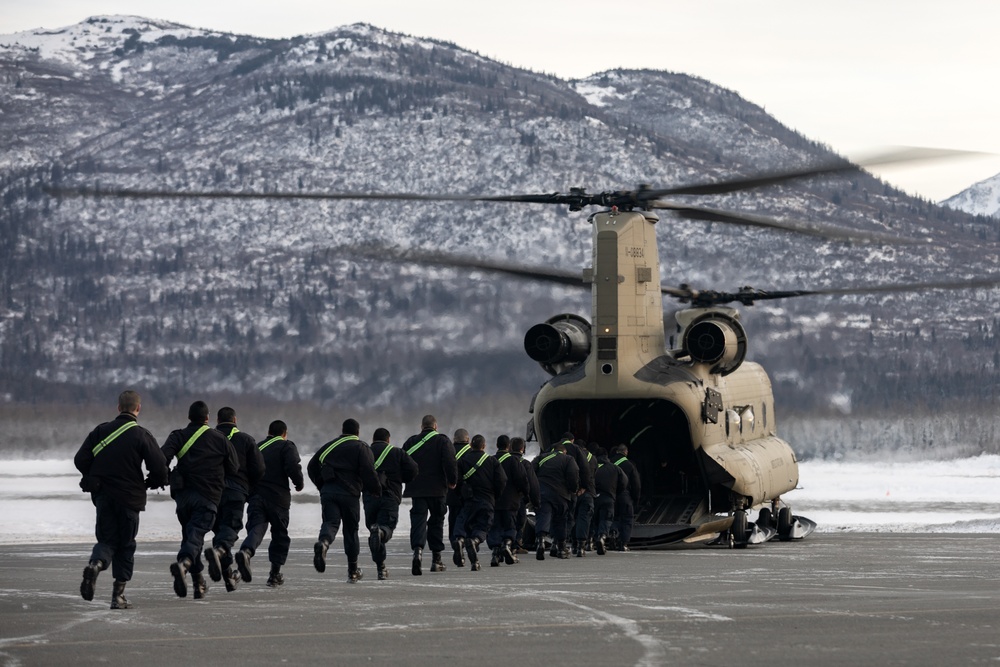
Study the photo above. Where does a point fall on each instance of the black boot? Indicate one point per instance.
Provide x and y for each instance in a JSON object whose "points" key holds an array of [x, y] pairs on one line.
{"points": [[416, 569], [472, 547], [243, 564], [507, 552], [179, 570], [199, 585], [437, 565], [601, 545], [383, 572], [90, 573], [562, 551], [354, 573], [319, 555], [375, 540], [459, 557], [118, 599], [580, 550], [540, 553], [275, 578], [495, 560], [213, 557]]}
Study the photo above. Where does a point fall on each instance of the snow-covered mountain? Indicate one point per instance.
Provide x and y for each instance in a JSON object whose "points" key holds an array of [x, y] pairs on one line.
{"points": [[983, 198], [273, 297]]}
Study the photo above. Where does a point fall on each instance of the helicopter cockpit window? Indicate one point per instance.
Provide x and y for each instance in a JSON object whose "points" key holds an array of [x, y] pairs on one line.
{"points": [[747, 419], [732, 421]]}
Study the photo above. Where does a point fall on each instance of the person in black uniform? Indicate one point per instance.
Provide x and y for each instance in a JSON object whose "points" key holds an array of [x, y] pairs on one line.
{"points": [[610, 481], [581, 506], [558, 481], [521, 519], [435, 456], [394, 468], [110, 460], [626, 502], [270, 501], [483, 479], [501, 536], [454, 499], [229, 519], [204, 459], [341, 469]]}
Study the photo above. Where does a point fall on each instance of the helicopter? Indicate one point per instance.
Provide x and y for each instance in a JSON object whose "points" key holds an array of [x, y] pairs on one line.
{"points": [[698, 418]]}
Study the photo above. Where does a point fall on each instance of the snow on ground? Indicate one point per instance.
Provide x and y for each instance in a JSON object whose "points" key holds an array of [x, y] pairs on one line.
{"points": [[42, 501]]}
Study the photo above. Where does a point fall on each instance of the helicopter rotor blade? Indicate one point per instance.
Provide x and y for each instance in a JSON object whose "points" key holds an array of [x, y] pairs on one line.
{"points": [[425, 257], [830, 232], [748, 295]]}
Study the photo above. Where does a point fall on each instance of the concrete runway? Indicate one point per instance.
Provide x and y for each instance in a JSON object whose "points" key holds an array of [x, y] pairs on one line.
{"points": [[832, 599]]}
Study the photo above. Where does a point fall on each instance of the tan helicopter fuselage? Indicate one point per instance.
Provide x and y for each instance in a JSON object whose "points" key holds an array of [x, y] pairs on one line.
{"points": [[700, 430]]}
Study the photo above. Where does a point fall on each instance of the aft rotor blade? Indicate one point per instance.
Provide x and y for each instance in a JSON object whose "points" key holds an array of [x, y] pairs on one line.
{"points": [[753, 220], [894, 155]]}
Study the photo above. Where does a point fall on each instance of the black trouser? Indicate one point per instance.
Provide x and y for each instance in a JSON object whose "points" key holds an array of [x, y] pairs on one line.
{"points": [[117, 526], [381, 511], [338, 506], [624, 518], [196, 514], [262, 513], [551, 516], [455, 504], [519, 520], [427, 523], [503, 527], [584, 515], [604, 512], [475, 519], [229, 519]]}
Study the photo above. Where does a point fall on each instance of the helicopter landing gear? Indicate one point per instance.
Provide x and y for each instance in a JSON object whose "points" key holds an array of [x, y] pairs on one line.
{"points": [[739, 532], [791, 527]]}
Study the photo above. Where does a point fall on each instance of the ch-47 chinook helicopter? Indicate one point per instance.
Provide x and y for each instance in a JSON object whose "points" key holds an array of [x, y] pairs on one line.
{"points": [[698, 419]]}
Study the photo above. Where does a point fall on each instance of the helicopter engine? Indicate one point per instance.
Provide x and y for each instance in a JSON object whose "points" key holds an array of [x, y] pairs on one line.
{"points": [[559, 343], [712, 336]]}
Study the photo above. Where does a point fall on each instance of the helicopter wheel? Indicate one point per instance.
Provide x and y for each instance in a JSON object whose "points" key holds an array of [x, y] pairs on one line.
{"points": [[764, 518], [785, 521], [739, 530]]}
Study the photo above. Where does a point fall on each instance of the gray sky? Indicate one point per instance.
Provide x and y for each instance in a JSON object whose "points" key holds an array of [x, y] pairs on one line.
{"points": [[857, 75]]}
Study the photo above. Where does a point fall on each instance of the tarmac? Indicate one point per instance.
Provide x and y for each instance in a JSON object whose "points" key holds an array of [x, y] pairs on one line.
{"points": [[831, 599]]}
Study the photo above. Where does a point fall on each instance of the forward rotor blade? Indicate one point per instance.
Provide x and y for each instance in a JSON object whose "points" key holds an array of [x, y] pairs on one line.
{"points": [[748, 295], [544, 274]]}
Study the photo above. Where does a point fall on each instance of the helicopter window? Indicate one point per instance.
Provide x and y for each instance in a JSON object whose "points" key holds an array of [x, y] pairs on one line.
{"points": [[747, 419], [732, 421], [763, 415]]}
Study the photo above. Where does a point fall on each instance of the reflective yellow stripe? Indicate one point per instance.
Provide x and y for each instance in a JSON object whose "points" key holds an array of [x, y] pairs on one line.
{"points": [[473, 469], [542, 462], [265, 445], [233, 432], [187, 445], [619, 461], [99, 447], [381, 457], [504, 457], [333, 445], [462, 451], [421, 443]]}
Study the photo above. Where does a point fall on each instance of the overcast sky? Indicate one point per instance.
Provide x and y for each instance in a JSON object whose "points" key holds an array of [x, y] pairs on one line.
{"points": [[857, 75]]}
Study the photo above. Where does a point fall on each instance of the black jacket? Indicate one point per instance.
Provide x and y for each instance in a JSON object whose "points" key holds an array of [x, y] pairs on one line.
{"points": [[251, 462], [436, 460], [117, 468], [634, 483], [349, 466], [610, 479], [585, 462], [489, 478], [281, 465], [534, 495], [397, 468], [557, 472], [518, 486], [206, 465]]}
